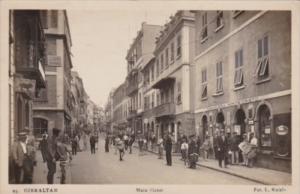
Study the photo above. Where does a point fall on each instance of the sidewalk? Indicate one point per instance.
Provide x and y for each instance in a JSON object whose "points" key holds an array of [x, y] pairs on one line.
{"points": [[259, 175], [41, 170]]}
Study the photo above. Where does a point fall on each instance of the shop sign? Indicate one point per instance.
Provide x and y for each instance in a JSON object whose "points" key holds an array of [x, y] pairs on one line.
{"points": [[282, 130], [251, 122], [237, 129], [267, 130], [26, 86]]}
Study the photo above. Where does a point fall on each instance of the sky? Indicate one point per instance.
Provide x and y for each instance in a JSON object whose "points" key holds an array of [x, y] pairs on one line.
{"points": [[100, 40]]}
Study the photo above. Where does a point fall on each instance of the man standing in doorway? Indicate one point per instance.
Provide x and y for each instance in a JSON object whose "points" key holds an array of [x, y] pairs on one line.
{"points": [[168, 148]]}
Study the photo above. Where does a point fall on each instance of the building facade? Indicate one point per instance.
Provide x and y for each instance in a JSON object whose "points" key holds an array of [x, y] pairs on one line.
{"points": [[242, 79], [108, 113], [174, 54], [53, 105], [138, 55]]}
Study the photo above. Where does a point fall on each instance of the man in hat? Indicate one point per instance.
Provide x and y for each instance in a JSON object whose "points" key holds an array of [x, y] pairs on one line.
{"points": [[19, 151], [222, 148], [51, 155], [168, 148]]}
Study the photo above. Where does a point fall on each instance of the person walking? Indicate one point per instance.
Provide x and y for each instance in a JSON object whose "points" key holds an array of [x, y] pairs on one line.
{"points": [[215, 148], [222, 149], [121, 148], [168, 148], [19, 151], [198, 143], [74, 142], [192, 152], [141, 144], [184, 151], [252, 154], [51, 155], [126, 141], [107, 143], [63, 157], [93, 144], [130, 143]]}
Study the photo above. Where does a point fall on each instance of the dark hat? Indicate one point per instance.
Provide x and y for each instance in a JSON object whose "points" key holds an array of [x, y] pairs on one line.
{"points": [[22, 134], [56, 130]]}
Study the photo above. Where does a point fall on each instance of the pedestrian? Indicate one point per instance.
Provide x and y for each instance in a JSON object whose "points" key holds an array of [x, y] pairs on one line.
{"points": [[116, 140], [206, 147], [19, 151], [43, 146], [75, 141], [160, 145], [51, 155], [141, 144], [222, 148], [126, 141], [215, 148], [168, 148], [63, 157], [107, 143], [130, 143], [184, 151], [198, 143], [29, 162], [234, 141], [121, 148], [252, 154], [93, 144], [145, 145], [192, 152]]}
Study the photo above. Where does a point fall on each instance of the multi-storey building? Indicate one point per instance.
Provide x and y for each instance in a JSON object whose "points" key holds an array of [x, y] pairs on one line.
{"points": [[79, 116], [52, 107], [26, 71], [174, 54], [108, 113], [242, 79], [120, 109], [138, 55]]}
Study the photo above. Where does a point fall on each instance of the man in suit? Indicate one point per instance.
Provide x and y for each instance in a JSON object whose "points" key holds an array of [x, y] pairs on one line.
{"points": [[193, 151], [168, 148], [19, 151], [222, 148], [50, 155]]}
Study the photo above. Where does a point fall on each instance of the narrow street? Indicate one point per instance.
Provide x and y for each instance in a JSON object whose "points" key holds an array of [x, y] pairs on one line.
{"points": [[105, 168]]}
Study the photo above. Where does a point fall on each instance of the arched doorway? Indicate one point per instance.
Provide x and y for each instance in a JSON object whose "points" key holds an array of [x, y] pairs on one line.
{"points": [[264, 127], [40, 126], [204, 127], [240, 117], [220, 121]]}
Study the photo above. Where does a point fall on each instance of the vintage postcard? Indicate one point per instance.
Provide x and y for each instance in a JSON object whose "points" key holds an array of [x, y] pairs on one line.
{"points": [[149, 96]]}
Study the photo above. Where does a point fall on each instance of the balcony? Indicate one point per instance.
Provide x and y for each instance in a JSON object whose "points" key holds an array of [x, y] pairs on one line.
{"points": [[131, 114], [164, 110], [164, 82], [132, 87]]}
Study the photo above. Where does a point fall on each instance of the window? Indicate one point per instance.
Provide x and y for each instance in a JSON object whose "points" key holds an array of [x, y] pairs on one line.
{"points": [[140, 100], [178, 46], [41, 94], [162, 97], [179, 93], [172, 52], [262, 69], [219, 19], [204, 26], [167, 57], [162, 62], [153, 96], [157, 99], [157, 67], [238, 75], [204, 84], [40, 126], [51, 46], [219, 71], [152, 72], [172, 93]]}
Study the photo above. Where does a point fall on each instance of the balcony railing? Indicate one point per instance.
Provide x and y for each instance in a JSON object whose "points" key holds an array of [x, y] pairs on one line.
{"points": [[164, 109]]}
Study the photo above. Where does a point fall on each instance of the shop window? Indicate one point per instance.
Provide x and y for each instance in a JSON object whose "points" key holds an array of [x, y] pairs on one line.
{"points": [[219, 74], [264, 127], [262, 69], [238, 74]]}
